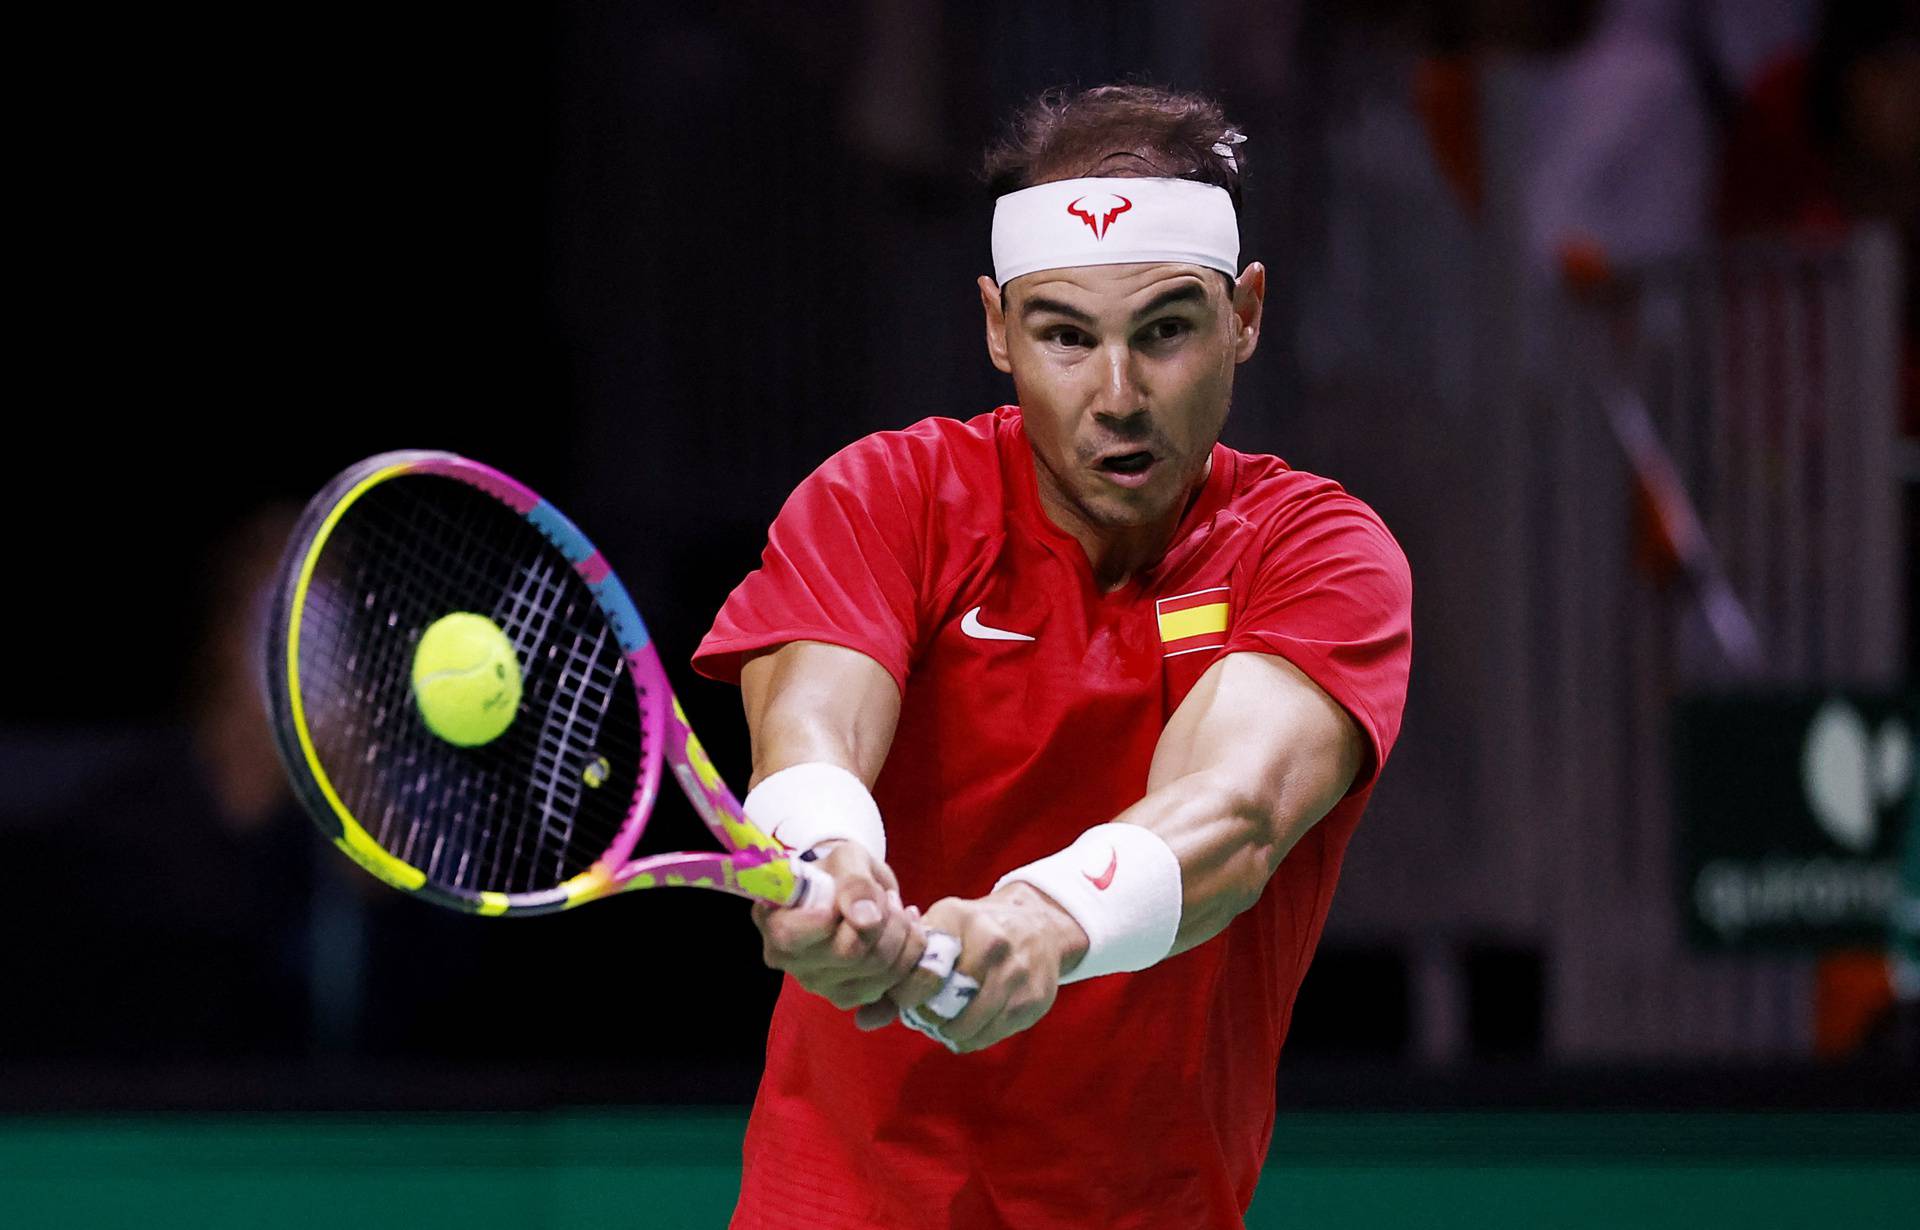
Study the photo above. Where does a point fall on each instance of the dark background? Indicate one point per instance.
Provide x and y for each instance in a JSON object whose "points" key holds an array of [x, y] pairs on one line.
{"points": [[658, 264]]}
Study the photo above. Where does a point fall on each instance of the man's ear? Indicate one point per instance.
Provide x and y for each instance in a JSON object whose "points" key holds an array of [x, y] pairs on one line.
{"points": [[996, 324], [1249, 305]]}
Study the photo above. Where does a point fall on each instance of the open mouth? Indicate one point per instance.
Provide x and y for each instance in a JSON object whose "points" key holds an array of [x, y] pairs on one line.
{"points": [[1128, 469]]}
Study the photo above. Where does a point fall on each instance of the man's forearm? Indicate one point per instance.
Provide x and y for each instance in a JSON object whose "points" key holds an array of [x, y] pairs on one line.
{"points": [[808, 702], [796, 736], [1228, 842]]}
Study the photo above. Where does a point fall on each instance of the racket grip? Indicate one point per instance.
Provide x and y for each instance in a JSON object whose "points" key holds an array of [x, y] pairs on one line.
{"points": [[811, 886], [953, 996], [956, 989], [948, 1002], [814, 887]]}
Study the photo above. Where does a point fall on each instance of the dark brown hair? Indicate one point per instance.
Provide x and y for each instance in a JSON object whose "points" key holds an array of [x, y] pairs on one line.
{"points": [[1124, 130]]}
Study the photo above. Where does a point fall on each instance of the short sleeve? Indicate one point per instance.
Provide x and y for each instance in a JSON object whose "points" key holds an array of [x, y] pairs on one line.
{"points": [[1334, 596], [842, 565]]}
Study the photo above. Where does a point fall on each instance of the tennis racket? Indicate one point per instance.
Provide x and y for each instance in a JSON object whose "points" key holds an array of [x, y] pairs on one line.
{"points": [[547, 815]]}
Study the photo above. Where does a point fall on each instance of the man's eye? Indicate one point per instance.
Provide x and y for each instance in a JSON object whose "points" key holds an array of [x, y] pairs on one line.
{"points": [[1069, 338], [1166, 330]]}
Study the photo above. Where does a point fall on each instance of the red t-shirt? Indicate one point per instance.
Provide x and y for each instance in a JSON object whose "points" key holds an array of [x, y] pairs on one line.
{"points": [[1142, 1099]]}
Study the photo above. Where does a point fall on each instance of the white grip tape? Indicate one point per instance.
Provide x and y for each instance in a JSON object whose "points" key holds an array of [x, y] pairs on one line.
{"points": [[938, 957], [956, 989], [805, 804], [953, 996], [1121, 883]]}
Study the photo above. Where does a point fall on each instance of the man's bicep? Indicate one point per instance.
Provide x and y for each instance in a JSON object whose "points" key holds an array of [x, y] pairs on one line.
{"points": [[812, 701], [1259, 722]]}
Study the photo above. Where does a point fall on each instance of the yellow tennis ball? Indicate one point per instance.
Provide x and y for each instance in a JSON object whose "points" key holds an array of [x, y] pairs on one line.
{"points": [[466, 679]]}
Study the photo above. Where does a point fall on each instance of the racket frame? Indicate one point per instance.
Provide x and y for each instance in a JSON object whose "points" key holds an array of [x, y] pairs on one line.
{"points": [[750, 864]]}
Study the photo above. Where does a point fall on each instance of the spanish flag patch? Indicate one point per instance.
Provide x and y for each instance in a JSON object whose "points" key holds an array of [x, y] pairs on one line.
{"points": [[1195, 621]]}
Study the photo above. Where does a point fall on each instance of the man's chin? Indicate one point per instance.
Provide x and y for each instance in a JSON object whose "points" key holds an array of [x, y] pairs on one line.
{"points": [[1113, 511]]}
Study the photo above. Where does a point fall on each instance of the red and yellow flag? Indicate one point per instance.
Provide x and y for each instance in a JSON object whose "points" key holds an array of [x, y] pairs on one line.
{"points": [[1195, 621]]}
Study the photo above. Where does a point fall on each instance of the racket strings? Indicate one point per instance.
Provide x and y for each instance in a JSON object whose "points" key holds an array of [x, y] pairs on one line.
{"points": [[547, 800], [583, 689], [394, 562], [523, 812]]}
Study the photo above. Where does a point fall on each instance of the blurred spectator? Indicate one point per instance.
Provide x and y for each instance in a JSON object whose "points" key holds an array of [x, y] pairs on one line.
{"points": [[1617, 140], [160, 885], [1830, 133]]}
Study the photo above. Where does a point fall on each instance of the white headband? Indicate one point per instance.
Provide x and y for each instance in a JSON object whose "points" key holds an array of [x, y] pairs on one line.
{"points": [[1114, 222]]}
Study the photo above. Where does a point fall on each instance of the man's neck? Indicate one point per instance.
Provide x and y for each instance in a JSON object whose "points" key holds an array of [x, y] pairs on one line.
{"points": [[1117, 554]]}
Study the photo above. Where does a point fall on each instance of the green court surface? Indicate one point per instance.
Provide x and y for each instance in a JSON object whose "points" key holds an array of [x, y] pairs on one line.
{"points": [[677, 1168]]}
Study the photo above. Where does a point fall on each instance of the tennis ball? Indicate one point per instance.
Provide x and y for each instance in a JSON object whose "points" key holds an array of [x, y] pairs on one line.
{"points": [[466, 679]]}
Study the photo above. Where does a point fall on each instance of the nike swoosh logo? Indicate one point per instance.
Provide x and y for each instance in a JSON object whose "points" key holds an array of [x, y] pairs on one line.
{"points": [[971, 625], [1105, 878]]}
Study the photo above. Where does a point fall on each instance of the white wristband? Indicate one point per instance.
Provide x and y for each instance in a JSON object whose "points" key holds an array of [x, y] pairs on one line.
{"points": [[1121, 883], [805, 804]]}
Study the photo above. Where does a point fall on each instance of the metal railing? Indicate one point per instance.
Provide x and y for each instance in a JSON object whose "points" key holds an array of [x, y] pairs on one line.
{"points": [[1683, 478]]}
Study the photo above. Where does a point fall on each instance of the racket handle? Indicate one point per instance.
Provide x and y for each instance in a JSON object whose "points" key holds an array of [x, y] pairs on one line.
{"points": [[941, 959], [814, 887], [953, 996], [956, 989]]}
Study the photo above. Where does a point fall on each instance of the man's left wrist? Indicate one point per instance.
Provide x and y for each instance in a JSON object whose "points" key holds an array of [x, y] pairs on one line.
{"points": [[1068, 938], [1129, 912]]}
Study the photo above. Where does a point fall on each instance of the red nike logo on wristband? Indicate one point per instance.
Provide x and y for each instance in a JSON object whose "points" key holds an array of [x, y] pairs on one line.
{"points": [[1105, 878]]}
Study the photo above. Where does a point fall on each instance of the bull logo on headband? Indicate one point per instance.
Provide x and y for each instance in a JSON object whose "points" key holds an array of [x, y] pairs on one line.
{"points": [[1099, 225]]}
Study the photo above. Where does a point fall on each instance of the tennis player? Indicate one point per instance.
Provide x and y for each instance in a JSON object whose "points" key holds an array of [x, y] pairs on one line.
{"points": [[1107, 693]]}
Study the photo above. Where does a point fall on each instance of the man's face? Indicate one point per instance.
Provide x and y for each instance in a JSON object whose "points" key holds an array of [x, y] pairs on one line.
{"points": [[1124, 374]]}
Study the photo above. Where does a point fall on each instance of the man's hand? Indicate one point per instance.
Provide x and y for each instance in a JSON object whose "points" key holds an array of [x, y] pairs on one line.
{"points": [[854, 949], [1016, 942]]}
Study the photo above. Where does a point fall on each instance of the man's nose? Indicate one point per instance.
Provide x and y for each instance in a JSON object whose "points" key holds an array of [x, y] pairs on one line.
{"points": [[1120, 395]]}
